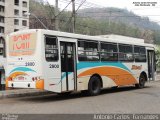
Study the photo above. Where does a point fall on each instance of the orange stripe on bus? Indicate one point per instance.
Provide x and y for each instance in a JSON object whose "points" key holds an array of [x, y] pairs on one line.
{"points": [[15, 74], [119, 76]]}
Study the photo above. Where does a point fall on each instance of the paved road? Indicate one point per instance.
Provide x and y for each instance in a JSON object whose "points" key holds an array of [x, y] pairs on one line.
{"points": [[121, 100]]}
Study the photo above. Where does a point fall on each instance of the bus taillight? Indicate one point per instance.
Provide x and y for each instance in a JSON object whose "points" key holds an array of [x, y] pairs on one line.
{"points": [[33, 78]]}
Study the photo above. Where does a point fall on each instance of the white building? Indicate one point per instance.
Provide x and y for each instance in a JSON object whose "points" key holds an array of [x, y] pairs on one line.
{"points": [[12, 18]]}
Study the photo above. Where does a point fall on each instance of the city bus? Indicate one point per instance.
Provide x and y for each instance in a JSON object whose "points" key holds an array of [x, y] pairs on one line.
{"points": [[64, 62]]}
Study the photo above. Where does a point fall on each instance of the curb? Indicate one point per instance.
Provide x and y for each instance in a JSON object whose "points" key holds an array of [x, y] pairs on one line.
{"points": [[5, 94]]}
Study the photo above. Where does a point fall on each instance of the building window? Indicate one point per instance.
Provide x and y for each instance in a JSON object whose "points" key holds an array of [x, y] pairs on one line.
{"points": [[125, 52], [16, 2], [51, 48], [2, 0], [1, 29], [24, 13], [109, 52], [1, 19], [1, 41], [139, 54], [88, 50], [16, 22], [24, 22], [16, 12], [15, 30], [24, 3], [1, 9]]}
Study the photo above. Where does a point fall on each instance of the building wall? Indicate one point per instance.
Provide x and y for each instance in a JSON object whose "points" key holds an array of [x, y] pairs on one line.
{"points": [[11, 6], [10, 21], [8, 17]]}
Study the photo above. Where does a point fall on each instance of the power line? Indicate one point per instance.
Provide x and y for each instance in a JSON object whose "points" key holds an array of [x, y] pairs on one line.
{"points": [[67, 23], [90, 27], [87, 4], [64, 8], [94, 28], [51, 8], [84, 16]]}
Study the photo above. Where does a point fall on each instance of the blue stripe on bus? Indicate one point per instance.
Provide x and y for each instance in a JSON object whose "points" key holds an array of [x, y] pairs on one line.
{"points": [[82, 65], [24, 69]]}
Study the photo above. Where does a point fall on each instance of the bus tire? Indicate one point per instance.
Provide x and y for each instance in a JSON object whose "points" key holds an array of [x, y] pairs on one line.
{"points": [[94, 86], [142, 81]]}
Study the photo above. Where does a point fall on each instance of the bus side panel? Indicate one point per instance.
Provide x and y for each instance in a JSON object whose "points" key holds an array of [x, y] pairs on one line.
{"points": [[137, 68], [112, 74]]}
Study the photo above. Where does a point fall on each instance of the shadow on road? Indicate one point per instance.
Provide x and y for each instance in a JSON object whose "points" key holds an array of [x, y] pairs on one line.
{"points": [[76, 95]]}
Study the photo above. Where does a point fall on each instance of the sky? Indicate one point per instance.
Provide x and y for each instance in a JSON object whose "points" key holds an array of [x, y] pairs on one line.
{"points": [[153, 12]]}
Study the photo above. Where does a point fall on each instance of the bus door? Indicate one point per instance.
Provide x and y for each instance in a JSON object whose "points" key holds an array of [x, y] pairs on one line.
{"points": [[151, 64], [68, 65]]}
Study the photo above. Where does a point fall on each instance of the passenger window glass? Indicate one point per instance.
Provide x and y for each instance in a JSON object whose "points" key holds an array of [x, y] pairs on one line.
{"points": [[109, 52], [139, 54], [88, 51], [125, 52], [51, 49]]}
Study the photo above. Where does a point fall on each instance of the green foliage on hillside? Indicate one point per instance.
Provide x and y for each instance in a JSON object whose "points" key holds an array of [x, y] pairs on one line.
{"points": [[97, 21]]}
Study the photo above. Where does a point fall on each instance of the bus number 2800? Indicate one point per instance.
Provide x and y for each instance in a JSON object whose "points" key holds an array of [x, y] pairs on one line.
{"points": [[53, 66]]}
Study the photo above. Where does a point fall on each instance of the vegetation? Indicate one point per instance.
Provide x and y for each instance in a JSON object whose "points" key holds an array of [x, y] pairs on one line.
{"points": [[97, 21]]}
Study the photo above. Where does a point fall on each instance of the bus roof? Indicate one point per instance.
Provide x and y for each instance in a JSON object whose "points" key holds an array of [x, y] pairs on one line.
{"points": [[123, 38], [106, 38]]}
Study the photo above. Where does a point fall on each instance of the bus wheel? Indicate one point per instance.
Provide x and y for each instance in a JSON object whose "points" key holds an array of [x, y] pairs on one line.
{"points": [[94, 86], [142, 81]]}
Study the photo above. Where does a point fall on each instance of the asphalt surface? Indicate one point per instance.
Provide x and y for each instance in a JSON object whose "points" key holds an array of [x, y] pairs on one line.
{"points": [[120, 100]]}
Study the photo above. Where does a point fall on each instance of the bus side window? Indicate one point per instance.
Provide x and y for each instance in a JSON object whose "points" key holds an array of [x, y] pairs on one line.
{"points": [[125, 52], [109, 52], [139, 54], [88, 51], [51, 49]]}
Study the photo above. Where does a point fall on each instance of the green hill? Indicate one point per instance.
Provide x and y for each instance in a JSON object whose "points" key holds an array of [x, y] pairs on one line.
{"points": [[97, 21]]}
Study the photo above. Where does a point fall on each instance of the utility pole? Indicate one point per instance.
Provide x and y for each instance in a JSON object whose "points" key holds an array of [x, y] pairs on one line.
{"points": [[74, 16], [56, 16], [110, 12]]}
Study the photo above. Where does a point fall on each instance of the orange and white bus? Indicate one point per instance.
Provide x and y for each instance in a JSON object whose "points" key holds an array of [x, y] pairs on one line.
{"points": [[64, 62]]}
